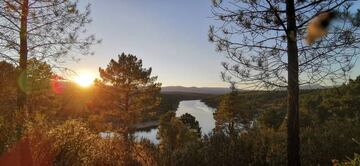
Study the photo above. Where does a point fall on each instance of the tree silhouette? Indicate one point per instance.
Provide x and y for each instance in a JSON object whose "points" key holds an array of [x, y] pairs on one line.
{"points": [[232, 115], [128, 89], [174, 135], [265, 39], [45, 30], [40, 96], [191, 122]]}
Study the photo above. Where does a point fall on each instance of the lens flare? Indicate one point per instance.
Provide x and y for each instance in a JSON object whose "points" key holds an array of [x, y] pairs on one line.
{"points": [[57, 85]]}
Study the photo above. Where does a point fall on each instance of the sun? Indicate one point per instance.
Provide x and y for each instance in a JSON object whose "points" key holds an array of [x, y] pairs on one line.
{"points": [[84, 79]]}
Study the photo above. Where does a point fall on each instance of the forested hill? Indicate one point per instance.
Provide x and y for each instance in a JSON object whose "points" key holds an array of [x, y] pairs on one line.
{"points": [[198, 90], [260, 97], [264, 96], [170, 100]]}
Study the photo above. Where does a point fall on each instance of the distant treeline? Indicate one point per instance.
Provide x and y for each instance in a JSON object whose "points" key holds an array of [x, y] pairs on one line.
{"points": [[170, 100], [263, 97]]}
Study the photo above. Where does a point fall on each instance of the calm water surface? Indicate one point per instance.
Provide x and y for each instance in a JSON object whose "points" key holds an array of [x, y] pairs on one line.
{"points": [[196, 108]]}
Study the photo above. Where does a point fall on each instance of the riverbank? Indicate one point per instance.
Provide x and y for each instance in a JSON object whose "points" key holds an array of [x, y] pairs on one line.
{"points": [[147, 125]]}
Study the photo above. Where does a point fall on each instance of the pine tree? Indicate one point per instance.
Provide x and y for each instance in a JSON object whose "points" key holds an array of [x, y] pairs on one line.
{"points": [[191, 122], [232, 116], [128, 90]]}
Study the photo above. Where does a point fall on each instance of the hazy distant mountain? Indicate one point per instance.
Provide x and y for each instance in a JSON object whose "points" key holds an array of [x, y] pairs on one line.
{"points": [[308, 87], [312, 86], [203, 90]]}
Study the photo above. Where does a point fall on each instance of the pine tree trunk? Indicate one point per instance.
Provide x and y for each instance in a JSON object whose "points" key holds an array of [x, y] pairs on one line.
{"points": [[22, 86], [293, 149], [21, 101], [126, 108], [127, 141]]}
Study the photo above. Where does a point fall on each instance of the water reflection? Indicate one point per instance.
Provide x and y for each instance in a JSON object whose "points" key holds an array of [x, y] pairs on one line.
{"points": [[200, 111], [196, 108], [150, 135]]}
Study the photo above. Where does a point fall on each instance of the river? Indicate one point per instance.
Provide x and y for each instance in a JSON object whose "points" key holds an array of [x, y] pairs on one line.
{"points": [[196, 108]]}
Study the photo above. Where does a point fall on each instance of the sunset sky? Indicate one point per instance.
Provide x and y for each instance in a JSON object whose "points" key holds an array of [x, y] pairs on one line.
{"points": [[168, 35]]}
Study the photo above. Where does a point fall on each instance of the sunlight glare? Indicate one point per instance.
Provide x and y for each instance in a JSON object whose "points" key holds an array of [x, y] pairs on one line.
{"points": [[84, 79]]}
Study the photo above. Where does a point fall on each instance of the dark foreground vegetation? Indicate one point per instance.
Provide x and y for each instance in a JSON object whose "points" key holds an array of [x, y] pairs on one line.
{"points": [[329, 127]]}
